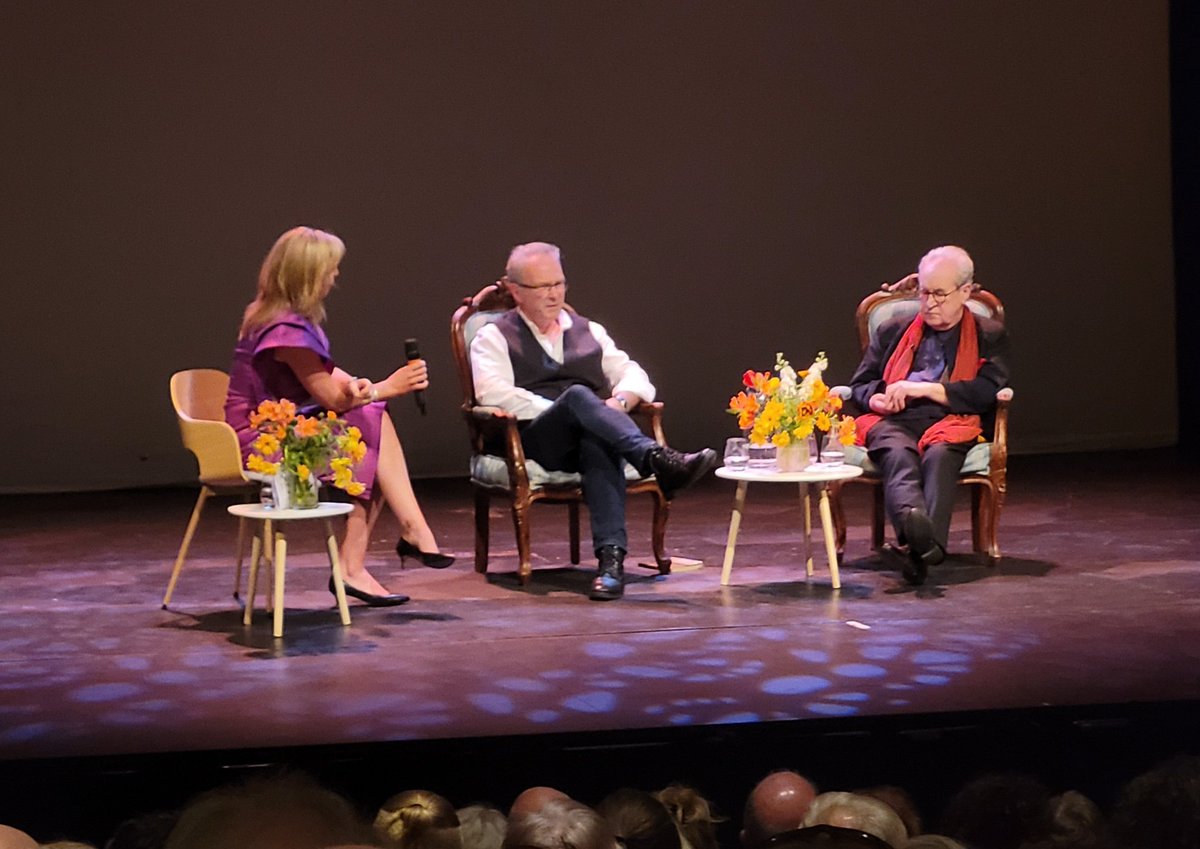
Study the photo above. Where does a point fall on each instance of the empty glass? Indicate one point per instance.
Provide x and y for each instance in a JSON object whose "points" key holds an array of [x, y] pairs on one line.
{"points": [[833, 453], [737, 452]]}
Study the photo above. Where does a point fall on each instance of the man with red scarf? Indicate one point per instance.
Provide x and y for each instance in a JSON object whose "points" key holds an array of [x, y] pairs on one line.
{"points": [[930, 385]]}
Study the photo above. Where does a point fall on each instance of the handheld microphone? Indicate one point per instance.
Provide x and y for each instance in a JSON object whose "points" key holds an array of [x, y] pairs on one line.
{"points": [[413, 352]]}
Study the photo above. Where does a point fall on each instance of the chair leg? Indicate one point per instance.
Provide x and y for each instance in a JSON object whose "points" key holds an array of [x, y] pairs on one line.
{"points": [[573, 530], [205, 492], [482, 506], [877, 518], [658, 531], [978, 520], [520, 514]]}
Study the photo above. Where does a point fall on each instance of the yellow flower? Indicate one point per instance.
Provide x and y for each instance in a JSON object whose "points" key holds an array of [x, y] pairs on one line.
{"points": [[302, 471], [354, 433], [822, 420], [803, 429], [355, 488], [256, 463], [782, 439], [266, 443]]}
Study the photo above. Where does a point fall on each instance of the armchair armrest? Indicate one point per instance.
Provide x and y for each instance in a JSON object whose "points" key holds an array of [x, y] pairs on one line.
{"points": [[651, 413]]}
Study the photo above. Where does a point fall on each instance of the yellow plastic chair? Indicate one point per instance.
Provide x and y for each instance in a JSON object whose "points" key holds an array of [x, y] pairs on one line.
{"points": [[198, 396]]}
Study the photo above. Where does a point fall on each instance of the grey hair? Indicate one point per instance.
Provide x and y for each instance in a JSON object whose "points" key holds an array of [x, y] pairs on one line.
{"points": [[521, 254], [951, 253], [849, 810]]}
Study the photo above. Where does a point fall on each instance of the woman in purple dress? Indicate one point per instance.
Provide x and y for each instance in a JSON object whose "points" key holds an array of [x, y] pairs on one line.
{"points": [[282, 352]]}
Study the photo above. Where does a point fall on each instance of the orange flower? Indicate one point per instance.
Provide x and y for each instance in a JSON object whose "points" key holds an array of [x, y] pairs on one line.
{"points": [[306, 427], [847, 431], [746, 407]]}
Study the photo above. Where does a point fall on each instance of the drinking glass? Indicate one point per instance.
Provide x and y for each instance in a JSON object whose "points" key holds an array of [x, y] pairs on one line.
{"points": [[833, 453], [737, 452]]}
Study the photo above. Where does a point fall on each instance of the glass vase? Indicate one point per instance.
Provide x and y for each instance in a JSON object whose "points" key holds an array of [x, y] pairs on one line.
{"points": [[792, 457], [302, 491]]}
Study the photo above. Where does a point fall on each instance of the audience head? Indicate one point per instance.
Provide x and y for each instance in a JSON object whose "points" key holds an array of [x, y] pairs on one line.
{"points": [[999, 811], [532, 799], [536, 282], [826, 837], [14, 838], [289, 811], [946, 271], [1161, 808], [777, 804], [297, 274], [638, 820], [932, 841], [481, 826], [861, 813], [693, 816], [418, 819], [898, 799], [147, 831], [559, 824]]}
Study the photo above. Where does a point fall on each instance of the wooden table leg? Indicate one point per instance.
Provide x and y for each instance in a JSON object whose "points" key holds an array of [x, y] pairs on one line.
{"points": [[806, 506], [280, 561], [256, 547], [335, 566], [735, 521], [830, 537]]}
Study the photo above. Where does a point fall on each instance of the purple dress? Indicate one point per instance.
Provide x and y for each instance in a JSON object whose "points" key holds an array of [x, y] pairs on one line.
{"points": [[256, 376]]}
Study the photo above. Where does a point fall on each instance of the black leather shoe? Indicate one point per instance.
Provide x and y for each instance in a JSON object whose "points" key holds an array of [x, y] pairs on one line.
{"points": [[372, 600], [432, 559], [610, 580], [676, 470], [923, 550]]}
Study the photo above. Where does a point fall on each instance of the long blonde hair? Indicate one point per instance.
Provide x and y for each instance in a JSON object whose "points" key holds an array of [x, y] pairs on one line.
{"points": [[293, 275]]}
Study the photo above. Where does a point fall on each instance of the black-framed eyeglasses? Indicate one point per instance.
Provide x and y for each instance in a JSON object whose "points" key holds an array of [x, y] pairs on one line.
{"points": [[560, 286], [939, 297]]}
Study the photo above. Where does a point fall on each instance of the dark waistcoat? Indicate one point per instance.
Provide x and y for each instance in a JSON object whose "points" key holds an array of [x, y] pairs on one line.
{"points": [[535, 370]]}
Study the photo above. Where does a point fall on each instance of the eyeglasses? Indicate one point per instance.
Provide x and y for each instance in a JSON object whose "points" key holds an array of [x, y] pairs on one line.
{"points": [[938, 297], [560, 286]]}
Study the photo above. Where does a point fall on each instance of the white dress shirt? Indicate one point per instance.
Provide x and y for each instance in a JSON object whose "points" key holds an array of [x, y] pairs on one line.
{"points": [[493, 373]]}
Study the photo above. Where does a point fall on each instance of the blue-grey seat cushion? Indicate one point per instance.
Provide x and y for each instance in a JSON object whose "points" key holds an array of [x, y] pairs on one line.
{"points": [[490, 469], [978, 461]]}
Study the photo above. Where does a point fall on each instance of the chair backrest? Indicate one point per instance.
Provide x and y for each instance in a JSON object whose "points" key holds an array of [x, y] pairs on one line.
{"points": [[476, 311], [198, 396], [882, 306]]}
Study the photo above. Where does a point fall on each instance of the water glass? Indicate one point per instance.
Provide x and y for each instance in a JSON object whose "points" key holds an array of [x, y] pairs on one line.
{"points": [[737, 453], [833, 453]]}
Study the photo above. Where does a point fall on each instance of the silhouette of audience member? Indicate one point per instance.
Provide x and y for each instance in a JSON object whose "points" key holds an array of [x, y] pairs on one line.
{"points": [[481, 826], [638, 820], [559, 824], [932, 841], [1160, 809], [1075, 823], [693, 815], [531, 800], [777, 804], [146, 831], [898, 799], [860, 813], [998, 811], [288, 811], [824, 836], [14, 838], [418, 819]]}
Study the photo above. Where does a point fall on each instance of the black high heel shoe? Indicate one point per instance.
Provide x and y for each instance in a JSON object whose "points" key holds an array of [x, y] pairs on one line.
{"points": [[432, 559], [372, 600]]}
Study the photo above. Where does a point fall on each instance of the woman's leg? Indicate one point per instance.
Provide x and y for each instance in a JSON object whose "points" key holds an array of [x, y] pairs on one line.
{"points": [[391, 478], [360, 522]]}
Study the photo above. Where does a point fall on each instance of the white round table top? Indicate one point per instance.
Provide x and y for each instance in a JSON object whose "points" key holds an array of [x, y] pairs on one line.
{"points": [[323, 510], [812, 474]]}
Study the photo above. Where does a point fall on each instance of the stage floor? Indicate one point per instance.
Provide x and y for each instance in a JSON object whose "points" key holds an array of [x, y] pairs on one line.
{"points": [[1096, 601]]}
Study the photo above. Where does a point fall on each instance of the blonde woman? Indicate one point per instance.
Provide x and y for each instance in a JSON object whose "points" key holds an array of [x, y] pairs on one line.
{"points": [[282, 352]]}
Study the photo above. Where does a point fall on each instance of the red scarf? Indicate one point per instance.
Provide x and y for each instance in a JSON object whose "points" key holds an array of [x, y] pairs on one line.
{"points": [[952, 428]]}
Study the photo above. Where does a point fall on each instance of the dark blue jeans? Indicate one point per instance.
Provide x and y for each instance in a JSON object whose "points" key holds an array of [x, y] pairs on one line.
{"points": [[910, 479], [580, 433]]}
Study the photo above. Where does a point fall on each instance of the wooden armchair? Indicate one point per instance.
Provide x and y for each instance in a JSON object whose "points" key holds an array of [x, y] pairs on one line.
{"points": [[510, 475], [985, 469]]}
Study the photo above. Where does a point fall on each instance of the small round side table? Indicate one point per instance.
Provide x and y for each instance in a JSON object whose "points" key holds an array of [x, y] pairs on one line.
{"points": [[820, 476], [273, 519]]}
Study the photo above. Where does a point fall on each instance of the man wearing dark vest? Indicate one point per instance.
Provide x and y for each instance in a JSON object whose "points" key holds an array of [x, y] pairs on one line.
{"points": [[929, 383], [572, 390]]}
